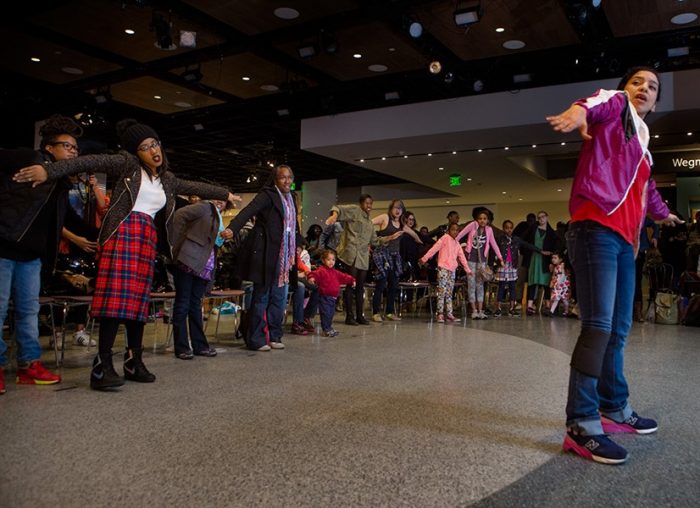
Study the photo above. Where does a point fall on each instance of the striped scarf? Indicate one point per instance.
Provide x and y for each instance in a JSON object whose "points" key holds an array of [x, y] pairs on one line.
{"points": [[289, 239]]}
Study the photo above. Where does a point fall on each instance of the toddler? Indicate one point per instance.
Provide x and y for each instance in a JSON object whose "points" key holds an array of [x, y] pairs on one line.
{"points": [[328, 280], [560, 286]]}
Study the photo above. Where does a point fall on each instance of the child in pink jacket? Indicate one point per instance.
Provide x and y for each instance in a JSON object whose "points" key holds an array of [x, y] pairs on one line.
{"points": [[449, 253], [480, 240]]}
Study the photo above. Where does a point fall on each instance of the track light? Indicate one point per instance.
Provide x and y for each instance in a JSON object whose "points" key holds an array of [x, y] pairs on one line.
{"points": [[435, 67], [415, 29], [307, 51]]}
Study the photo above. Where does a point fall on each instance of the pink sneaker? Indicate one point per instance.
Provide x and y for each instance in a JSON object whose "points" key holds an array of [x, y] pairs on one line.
{"points": [[635, 424], [450, 318], [440, 318]]}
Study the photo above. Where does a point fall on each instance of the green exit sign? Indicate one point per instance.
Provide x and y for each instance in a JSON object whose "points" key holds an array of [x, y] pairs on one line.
{"points": [[455, 180], [294, 186]]}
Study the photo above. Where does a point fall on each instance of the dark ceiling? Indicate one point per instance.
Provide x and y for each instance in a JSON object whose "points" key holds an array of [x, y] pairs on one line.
{"points": [[218, 126]]}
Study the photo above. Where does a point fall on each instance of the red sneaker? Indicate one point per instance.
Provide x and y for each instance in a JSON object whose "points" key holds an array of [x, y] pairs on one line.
{"points": [[36, 374], [2, 381]]}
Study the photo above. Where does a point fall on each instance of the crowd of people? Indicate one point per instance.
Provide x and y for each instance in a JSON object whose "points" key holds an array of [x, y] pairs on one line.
{"points": [[51, 194]]}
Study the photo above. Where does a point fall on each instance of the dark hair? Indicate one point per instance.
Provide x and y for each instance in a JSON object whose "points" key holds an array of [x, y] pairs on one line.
{"points": [[272, 177], [364, 197], [478, 210], [634, 70], [405, 216], [507, 221], [530, 216], [454, 224], [451, 212], [130, 133], [57, 125], [327, 252], [312, 227]]}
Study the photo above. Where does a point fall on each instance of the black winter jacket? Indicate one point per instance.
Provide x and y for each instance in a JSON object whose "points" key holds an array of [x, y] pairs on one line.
{"points": [[551, 244], [259, 257]]}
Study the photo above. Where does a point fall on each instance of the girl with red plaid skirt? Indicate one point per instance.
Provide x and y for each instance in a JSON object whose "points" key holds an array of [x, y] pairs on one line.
{"points": [[128, 239]]}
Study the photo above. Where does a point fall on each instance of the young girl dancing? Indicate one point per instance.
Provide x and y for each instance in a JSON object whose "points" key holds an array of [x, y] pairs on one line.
{"points": [[449, 252], [559, 284]]}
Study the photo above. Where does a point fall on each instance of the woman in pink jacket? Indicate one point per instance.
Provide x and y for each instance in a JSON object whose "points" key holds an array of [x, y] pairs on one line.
{"points": [[480, 240], [612, 193], [449, 252]]}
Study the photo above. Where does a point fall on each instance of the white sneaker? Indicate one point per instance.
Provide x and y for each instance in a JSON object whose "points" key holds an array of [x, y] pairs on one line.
{"points": [[82, 338], [377, 318], [476, 315], [58, 339], [276, 345], [482, 315]]}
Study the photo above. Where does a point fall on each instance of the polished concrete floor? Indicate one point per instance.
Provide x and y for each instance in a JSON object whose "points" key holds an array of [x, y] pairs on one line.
{"points": [[393, 414]]}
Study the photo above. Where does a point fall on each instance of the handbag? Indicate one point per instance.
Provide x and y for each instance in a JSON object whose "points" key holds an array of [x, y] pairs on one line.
{"points": [[666, 305], [484, 271]]}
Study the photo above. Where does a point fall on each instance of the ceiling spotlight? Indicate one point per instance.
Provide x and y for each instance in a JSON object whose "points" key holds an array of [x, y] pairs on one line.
{"points": [[435, 67], [500, 29], [468, 15], [188, 39], [246, 78], [357, 55], [162, 28], [478, 86], [449, 78], [129, 31], [157, 97], [415, 29], [306, 51], [35, 59]]}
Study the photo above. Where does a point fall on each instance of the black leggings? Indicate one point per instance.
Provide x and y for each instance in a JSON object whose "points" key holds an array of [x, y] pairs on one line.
{"points": [[108, 333], [359, 290], [532, 291]]}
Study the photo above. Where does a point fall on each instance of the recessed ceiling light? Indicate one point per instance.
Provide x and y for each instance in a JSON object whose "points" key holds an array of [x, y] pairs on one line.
{"points": [[405, 156], [563, 143], [479, 150], [129, 31], [357, 55], [269, 88], [534, 146], [500, 29], [392, 50], [246, 78], [469, 179], [72, 70], [383, 158], [378, 67], [441, 169], [447, 201], [656, 136], [684, 18], [558, 190], [430, 155], [454, 152], [183, 104], [362, 160], [35, 59], [689, 133], [514, 44], [286, 13], [520, 199], [506, 148], [157, 97], [503, 192]]}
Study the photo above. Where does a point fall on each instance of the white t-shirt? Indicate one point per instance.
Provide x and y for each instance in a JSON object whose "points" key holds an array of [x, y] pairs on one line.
{"points": [[151, 196]]}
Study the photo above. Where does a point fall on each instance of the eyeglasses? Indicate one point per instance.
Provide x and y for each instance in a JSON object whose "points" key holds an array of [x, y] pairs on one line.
{"points": [[146, 148], [69, 147], [542, 216]]}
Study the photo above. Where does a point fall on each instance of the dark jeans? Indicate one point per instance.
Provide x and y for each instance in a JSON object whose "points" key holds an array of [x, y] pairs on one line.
{"points": [[391, 283], [267, 312], [604, 265], [638, 270], [506, 285], [359, 290], [189, 291], [326, 305]]}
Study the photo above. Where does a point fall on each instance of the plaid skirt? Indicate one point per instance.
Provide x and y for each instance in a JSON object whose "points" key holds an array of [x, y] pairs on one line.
{"points": [[125, 272]]}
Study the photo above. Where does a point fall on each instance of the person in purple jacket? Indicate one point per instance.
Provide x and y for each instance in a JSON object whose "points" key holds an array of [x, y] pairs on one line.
{"points": [[612, 193]]}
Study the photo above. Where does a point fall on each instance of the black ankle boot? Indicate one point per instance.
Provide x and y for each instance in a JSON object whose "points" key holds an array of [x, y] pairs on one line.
{"points": [[134, 369], [103, 375]]}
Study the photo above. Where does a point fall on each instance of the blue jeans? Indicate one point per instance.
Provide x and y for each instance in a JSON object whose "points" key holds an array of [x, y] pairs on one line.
{"points": [[189, 291], [21, 280], [506, 285], [298, 303], [391, 283], [326, 305], [268, 302], [604, 265]]}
